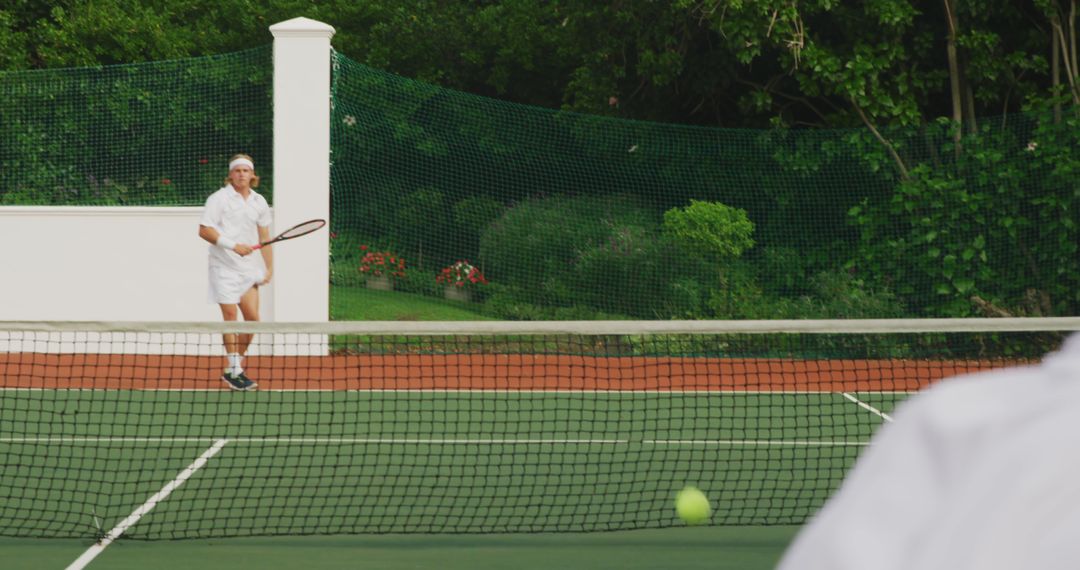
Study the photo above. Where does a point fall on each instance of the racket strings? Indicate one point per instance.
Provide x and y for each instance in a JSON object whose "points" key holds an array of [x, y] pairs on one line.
{"points": [[302, 229]]}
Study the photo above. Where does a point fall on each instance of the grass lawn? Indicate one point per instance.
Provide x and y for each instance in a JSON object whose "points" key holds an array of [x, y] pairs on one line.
{"points": [[362, 304]]}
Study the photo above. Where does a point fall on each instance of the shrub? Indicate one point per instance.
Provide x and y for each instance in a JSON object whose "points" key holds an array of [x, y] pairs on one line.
{"points": [[471, 217], [603, 254], [536, 246], [686, 298], [782, 271], [710, 229], [632, 273], [415, 280], [504, 304], [420, 226], [832, 295]]}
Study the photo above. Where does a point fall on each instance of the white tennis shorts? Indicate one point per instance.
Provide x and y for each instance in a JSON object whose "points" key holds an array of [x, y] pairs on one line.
{"points": [[228, 284]]}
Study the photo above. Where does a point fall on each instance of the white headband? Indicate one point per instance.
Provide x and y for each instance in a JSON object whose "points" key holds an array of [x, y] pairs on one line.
{"points": [[241, 162]]}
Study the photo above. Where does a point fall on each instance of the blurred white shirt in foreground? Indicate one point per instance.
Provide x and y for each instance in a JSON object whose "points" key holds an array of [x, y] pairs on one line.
{"points": [[977, 472]]}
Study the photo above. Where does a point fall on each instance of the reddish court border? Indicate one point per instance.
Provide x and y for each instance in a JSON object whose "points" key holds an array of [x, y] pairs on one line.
{"points": [[511, 372]]}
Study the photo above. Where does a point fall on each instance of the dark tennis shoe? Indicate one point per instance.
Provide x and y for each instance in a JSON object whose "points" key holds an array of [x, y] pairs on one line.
{"points": [[238, 382], [249, 384]]}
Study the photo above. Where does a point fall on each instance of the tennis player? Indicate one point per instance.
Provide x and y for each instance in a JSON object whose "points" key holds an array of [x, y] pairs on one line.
{"points": [[234, 220], [977, 472]]}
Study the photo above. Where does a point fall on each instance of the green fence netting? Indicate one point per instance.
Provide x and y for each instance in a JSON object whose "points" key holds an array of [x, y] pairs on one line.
{"points": [[544, 214], [570, 216], [148, 134]]}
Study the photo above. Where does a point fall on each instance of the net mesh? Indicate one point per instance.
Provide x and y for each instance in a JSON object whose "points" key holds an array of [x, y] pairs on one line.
{"points": [[450, 427], [570, 216], [535, 214], [148, 134]]}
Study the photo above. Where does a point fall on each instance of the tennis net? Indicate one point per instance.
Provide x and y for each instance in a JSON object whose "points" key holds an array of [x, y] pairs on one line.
{"points": [[432, 427]]}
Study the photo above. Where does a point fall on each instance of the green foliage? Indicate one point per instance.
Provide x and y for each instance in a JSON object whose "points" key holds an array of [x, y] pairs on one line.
{"points": [[710, 229], [505, 304], [477, 212], [830, 295], [148, 134], [634, 272], [686, 61], [419, 223], [13, 48], [601, 253], [471, 217], [536, 245], [965, 233], [952, 218], [345, 256], [420, 281], [553, 246], [782, 271]]}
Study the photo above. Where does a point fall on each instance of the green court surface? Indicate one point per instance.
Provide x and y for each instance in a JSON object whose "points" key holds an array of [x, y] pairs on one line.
{"points": [[372, 479], [716, 548]]}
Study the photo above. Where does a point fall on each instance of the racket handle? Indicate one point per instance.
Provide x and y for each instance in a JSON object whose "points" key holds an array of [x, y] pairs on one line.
{"points": [[257, 246]]}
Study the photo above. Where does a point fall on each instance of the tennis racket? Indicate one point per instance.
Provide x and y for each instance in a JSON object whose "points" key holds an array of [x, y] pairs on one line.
{"points": [[295, 232]]}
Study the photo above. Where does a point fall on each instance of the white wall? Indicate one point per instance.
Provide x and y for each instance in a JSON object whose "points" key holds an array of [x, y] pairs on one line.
{"points": [[105, 263], [148, 264]]}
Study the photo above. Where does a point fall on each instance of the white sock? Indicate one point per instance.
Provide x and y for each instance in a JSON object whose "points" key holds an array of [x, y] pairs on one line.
{"points": [[234, 364]]}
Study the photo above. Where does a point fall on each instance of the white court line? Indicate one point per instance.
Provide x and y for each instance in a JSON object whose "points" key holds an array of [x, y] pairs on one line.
{"points": [[866, 406], [146, 507]]}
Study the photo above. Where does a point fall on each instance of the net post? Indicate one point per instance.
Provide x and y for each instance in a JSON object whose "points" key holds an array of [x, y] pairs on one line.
{"points": [[300, 291]]}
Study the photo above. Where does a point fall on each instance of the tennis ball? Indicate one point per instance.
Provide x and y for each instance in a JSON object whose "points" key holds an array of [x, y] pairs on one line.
{"points": [[692, 505]]}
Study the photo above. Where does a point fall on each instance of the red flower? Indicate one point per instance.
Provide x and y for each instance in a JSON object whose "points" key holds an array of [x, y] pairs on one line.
{"points": [[460, 274], [375, 263]]}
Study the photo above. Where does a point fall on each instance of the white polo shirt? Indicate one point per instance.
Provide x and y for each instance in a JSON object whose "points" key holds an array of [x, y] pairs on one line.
{"points": [[978, 472], [239, 219]]}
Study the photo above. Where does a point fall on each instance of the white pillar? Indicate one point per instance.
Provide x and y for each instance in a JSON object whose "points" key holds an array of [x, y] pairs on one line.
{"points": [[301, 283]]}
